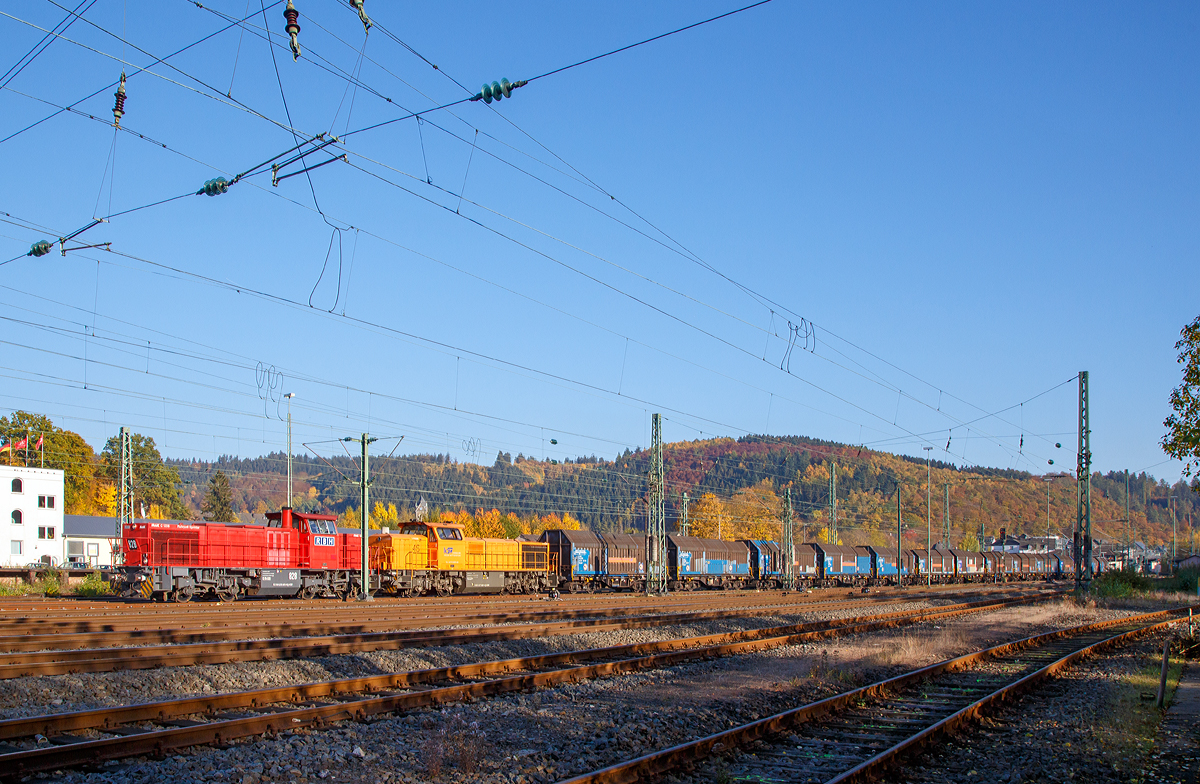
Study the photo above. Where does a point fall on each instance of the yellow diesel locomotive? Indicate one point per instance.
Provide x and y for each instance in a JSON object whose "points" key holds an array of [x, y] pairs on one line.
{"points": [[436, 557]]}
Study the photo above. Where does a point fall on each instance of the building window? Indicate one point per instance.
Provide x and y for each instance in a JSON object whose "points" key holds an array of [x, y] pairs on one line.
{"points": [[17, 518], [17, 486], [45, 502], [45, 532], [16, 546], [93, 550]]}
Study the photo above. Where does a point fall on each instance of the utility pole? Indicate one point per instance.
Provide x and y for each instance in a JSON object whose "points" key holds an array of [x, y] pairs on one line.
{"points": [[899, 541], [364, 484], [125, 487], [1083, 478], [1172, 499], [789, 545], [1125, 544], [946, 513], [1046, 481], [656, 544], [683, 529], [833, 532], [928, 518], [288, 502]]}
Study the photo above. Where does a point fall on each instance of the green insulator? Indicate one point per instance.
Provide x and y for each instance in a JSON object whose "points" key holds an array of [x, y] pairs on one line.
{"points": [[40, 248], [497, 90], [215, 187]]}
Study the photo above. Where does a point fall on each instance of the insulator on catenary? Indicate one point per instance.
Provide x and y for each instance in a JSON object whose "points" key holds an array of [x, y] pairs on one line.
{"points": [[214, 187], [119, 106], [40, 248], [498, 90], [362, 14], [293, 28]]}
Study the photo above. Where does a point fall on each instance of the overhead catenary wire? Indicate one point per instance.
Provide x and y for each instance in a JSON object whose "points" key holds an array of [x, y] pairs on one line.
{"points": [[622, 49]]}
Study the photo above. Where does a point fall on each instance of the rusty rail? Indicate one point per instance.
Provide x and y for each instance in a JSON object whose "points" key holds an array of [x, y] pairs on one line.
{"points": [[664, 761], [40, 634], [110, 659], [616, 660]]}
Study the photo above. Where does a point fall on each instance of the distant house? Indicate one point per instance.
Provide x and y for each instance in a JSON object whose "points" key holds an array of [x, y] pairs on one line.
{"points": [[1188, 562]]}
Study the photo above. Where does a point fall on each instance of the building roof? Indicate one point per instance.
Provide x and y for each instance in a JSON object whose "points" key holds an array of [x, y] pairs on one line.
{"points": [[91, 525]]}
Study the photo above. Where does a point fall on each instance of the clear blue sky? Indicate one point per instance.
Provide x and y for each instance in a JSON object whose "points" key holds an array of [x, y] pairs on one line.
{"points": [[967, 204]]}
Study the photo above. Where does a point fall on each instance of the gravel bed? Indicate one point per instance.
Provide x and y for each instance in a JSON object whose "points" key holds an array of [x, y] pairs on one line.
{"points": [[1059, 732], [61, 693], [556, 732]]}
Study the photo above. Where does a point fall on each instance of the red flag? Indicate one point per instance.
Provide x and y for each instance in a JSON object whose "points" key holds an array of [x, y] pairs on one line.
{"points": [[24, 442], [38, 445]]}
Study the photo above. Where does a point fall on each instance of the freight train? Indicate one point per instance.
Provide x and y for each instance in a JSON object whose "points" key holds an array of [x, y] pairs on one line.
{"points": [[305, 555]]}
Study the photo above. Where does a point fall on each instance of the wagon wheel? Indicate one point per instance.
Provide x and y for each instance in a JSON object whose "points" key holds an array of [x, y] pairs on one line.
{"points": [[227, 593], [184, 594]]}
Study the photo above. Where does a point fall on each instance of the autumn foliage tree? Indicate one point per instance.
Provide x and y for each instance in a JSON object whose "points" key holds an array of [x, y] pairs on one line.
{"points": [[1182, 440]]}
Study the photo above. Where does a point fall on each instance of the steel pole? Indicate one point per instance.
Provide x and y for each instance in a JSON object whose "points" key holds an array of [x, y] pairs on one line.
{"points": [[365, 586], [288, 502], [928, 519], [899, 540]]}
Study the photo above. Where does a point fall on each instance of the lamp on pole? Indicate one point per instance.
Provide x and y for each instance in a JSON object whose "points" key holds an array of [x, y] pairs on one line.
{"points": [[289, 397], [928, 518]]}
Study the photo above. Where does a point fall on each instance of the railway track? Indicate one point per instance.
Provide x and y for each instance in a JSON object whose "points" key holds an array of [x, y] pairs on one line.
{"points": [[156, 728], [184, 652], [851, 737]]}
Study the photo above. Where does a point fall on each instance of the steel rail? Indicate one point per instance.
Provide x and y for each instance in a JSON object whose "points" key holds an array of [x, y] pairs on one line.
{"points": [[109, 659], [68, 607], [32, 637], [52, 724], [661, 654], [667, 760]]}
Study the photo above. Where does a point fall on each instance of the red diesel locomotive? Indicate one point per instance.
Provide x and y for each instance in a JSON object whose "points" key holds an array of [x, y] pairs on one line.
{"points": [[294, 554]]}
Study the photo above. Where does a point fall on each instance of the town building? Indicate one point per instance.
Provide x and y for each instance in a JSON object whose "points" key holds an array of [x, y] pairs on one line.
{"points": [[31, 516]]}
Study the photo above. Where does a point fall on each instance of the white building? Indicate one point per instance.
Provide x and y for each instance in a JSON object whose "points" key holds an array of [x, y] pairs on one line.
{"points": [[31, 516], [89, 541]]}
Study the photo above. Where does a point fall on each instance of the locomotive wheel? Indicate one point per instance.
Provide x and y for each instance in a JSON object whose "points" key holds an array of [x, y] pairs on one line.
{"points": [[443, 589], [227, 594], [183, 595]]}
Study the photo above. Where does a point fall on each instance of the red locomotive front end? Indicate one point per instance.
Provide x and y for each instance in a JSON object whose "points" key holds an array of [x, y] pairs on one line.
{"points": [[294, 554]]}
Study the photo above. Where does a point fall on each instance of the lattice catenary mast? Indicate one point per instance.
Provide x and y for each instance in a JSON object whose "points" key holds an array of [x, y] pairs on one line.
{"points": [[1083, 482], [656, 528], [125, 487]]}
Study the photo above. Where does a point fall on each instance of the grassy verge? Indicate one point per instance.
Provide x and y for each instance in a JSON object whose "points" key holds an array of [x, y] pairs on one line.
{"points": [[1127, 732], [51, 583]]}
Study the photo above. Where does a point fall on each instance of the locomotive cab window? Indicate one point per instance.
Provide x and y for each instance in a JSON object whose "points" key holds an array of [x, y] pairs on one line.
{"points": [[449, 533], [415, 530]]}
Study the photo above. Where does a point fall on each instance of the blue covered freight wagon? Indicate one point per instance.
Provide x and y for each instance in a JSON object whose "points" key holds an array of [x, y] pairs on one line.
{"points": [[693, 562]]}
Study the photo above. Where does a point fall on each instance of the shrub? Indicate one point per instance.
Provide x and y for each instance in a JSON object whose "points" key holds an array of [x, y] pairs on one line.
{"points": [[1120, 584], [93, 585]]}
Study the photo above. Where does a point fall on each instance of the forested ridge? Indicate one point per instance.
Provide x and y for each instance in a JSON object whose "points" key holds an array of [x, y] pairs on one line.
{"points": [[736, 488], [733, 486]]}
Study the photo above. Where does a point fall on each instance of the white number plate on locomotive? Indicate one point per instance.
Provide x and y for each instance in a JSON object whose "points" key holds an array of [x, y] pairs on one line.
{"points": [[324, 541]]}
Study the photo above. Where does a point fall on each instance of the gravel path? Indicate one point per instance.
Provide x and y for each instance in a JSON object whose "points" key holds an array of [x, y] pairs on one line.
{"points": [[552, 733]]}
